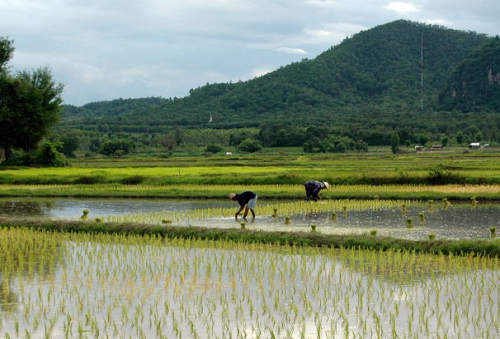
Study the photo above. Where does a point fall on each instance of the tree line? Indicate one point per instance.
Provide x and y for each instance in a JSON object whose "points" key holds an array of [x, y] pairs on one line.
{"points": [[30, 104]]}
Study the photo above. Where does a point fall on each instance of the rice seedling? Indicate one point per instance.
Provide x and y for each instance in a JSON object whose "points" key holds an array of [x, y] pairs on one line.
{"points": [[294, 208], [409, 222], [85, 214], [493, 231], [421, 218], [404, 209], [430, 206], [446, 203], [111, 285]]}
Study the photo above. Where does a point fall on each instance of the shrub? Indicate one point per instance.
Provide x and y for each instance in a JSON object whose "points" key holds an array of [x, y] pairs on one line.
{"points": [[90, 179], [45, 155], [441, 175], [213, 148], [116, 147], [250, 146], [133, 180]]}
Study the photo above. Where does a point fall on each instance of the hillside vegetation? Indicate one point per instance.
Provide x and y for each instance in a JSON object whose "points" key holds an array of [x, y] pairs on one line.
{"points": [[374, 75], [475, 83]]}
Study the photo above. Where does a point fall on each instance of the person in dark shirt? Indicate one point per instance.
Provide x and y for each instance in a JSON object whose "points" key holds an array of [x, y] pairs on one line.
{"points": [[313, 188], [247, 201]]}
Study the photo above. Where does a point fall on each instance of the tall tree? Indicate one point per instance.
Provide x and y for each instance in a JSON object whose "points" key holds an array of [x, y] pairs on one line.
{"points": [[6, 52], [30, 103]]}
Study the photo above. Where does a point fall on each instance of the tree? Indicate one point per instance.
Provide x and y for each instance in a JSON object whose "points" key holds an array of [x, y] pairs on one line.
{"points": [[422, 139], [116, 147], [213, 148], [6, 52], [394, 143], [250, 146], [70, 142], [444, 141], [30, 105]]}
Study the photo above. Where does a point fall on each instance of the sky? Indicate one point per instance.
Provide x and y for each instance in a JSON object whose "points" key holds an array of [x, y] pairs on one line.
{"points": [[109, 49]]}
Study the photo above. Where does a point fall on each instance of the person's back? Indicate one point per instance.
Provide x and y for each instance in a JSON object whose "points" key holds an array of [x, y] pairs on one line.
{"points": [[313, 188], [246, 200]]}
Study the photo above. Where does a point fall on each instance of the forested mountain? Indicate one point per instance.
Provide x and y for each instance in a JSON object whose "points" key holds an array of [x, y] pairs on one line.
{"points": [[475, 83], [371, 80]]}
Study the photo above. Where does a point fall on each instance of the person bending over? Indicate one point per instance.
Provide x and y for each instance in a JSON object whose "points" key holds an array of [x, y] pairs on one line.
{"points": [[247, 201], [313, 188]]}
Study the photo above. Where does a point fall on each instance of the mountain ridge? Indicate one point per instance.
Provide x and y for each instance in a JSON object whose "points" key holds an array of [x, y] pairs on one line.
{"points": [[376, 72]]}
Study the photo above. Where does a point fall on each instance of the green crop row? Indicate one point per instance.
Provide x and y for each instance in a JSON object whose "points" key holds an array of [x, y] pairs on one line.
{"points": [[489, 248]]}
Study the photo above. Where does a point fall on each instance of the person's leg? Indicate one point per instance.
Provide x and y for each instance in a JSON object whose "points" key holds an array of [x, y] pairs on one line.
{"points": [[251, 205], [246, 212]]}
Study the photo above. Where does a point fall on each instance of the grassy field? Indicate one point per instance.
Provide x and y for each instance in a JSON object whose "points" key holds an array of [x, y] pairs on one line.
{"points": [[334, 167], [412, 175], [420, 192]]}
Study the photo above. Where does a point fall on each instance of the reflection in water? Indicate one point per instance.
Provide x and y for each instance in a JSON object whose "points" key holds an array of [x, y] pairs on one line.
{"points": [[25, 254], [458, 221], [144, 287], [58, 208], [21, 208]]}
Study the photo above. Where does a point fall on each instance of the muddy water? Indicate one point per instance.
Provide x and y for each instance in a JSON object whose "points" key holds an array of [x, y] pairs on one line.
{"points": [[72, 208], [459, 221]]}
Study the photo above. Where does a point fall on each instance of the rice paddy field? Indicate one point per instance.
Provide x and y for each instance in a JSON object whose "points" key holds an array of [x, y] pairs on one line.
{"points": [[263, 169], [61, 285], [97, 285]]}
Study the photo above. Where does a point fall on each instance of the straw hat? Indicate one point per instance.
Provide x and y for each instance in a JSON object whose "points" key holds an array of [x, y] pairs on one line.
{"points": [[327, 185], [232, 195]]}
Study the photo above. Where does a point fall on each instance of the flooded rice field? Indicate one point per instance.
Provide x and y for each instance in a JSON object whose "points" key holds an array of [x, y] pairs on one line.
{"points": [[114, 286], [403, 219], [63, 285]]}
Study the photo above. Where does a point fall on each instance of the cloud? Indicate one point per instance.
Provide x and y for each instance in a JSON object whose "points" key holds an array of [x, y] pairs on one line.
{"points": [[402, 7], [105, 49], [298, 51], [323, 3], [258, 72]]}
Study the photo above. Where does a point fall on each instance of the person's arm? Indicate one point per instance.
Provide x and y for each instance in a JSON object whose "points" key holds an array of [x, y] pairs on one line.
{"points": [[239, 211], [317, 189]]}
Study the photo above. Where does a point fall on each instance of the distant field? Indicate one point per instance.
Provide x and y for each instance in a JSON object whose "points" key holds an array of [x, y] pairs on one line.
{"points": [[269, 168], [275, 175]]}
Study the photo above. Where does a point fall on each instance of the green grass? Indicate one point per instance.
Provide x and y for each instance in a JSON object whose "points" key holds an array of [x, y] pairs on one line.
{"points": [[273, 174], [413, 192], [270, 168], [488, 248]]}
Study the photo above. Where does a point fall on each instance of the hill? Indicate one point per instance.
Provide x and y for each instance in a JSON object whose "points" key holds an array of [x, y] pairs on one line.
{"points": [[475, 83], [372, 78]]}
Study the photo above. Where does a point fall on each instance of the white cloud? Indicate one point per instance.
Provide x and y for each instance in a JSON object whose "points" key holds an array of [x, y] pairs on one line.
{"points": [[439, 22], [402, 7], [291, 50], [323, 3], [258, 72], [101, 49], [332, 33]]}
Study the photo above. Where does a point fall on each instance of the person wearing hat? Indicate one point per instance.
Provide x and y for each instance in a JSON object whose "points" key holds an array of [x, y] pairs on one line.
{"points": [[247, 201], [313, 188]]}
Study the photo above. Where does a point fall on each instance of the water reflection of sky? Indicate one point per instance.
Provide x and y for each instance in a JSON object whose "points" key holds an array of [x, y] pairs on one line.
{"points": [[459, 221], [73, 208]]}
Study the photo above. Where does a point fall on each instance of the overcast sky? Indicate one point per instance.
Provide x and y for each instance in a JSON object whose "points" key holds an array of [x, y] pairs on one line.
{"points": [[109, 49]]}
